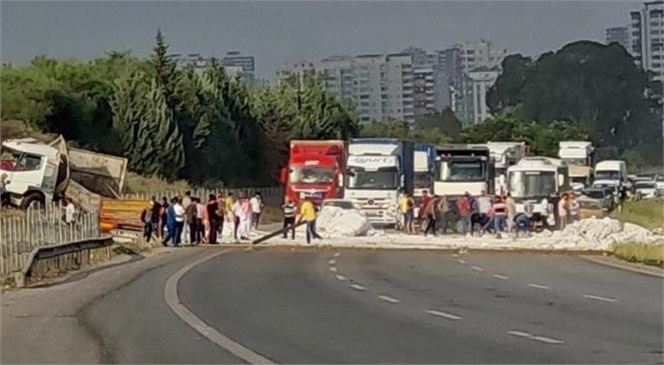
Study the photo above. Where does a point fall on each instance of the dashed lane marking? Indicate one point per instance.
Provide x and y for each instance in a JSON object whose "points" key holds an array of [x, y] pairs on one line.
{"points": [[388, 299], [332, 262], [543, 339], [461, 261], [444, 315], [477, 268], [538, 286], [337, 254], [597, 297], [333, 269], [341, 278], [455, 255], [358, 287], [501, 277], [548, 340]]}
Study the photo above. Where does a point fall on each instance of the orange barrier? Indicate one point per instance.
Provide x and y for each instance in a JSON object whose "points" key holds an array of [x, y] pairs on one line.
{"points": [[121, 214]]}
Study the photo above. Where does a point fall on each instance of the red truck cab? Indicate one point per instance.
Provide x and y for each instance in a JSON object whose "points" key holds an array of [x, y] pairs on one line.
{"points": [[315, 169]]}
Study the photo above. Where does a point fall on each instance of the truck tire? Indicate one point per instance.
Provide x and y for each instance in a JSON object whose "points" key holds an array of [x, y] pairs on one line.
{"points": [[33, 199]]}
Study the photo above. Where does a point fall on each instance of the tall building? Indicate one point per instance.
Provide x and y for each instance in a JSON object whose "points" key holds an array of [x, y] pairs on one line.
{"points": [[618, 35], [378, 86], [471, 105], [199, 62], [246, 63], [647, 37]]}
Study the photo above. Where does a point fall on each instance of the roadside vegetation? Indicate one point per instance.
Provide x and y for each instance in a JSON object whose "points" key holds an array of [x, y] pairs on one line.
{"points": [[647, 213]]}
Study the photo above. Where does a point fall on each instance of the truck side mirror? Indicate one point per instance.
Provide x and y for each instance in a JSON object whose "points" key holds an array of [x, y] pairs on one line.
{"points": [[403, 180], [283, 176]]}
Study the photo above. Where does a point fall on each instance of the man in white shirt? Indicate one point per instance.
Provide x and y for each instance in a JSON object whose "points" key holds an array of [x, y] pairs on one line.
{"points": [[256, 207], [237, 215], [484, 206], [70, 211], [179, 221], [186, 202]]}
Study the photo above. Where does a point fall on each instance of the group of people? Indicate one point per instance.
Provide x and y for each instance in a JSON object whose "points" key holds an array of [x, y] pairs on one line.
{"points": [[198, 221], [493, 214], [307, 213]]}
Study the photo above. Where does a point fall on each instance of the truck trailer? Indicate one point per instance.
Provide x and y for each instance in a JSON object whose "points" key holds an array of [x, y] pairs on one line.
{"points": [[425, 172]]}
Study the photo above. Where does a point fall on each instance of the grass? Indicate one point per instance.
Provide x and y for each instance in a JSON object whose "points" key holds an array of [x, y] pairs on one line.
{"points": [[648, 213], [642, 253], [138, 184]]}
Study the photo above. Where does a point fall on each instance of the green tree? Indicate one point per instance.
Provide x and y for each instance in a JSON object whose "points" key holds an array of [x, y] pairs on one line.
{"points": [[444, 122]]}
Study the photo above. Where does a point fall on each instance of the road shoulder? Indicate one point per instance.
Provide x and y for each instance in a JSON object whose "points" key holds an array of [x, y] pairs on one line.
{"points": [[625, 265]]}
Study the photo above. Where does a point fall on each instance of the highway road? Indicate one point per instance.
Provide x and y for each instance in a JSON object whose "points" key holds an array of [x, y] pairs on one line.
{"points": [[372, 306]]}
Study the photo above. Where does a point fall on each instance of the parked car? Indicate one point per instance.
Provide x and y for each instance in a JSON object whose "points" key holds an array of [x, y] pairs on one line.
{"points": [[603, 195], [646, 189], [591, 208]]}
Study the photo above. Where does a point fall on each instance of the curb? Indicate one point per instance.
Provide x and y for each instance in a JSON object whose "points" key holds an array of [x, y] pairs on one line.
{"points": [[626, 267]]}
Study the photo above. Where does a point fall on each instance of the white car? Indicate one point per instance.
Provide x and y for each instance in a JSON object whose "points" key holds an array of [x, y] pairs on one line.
{"points": [[647, 189]]}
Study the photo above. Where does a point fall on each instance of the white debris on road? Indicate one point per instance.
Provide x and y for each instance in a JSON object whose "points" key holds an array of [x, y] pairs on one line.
{"points": [[349, 228]]}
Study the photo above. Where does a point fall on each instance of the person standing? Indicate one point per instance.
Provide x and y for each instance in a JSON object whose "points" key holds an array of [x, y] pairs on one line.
{"points": [[221, 214], [510, 208], [426, 198], [146, 219], [573, 208], [484, 206], [430, 213], [256, 208], [465, 212], [409, 214], [200, 227], [563, 211], [229, 204], [156, 211], [70, 211], [163, 216], [444, 209], [237, 215], [499, 213], [185, 201], [190, 217], [308, 214], [179, 211], [211, 209], [169, 221], [289, 208], [245, 218]]}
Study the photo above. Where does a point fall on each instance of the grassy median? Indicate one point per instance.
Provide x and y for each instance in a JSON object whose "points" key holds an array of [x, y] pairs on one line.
{"points": [[647, 213]]}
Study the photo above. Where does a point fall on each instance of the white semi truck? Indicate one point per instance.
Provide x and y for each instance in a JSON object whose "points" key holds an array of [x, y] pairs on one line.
{"points": [[504, 155], [533, 181], [579, 156], [379, 170], [463, 168]]}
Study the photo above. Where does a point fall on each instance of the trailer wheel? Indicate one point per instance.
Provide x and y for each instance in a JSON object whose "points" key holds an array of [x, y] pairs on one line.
{"points": [[33, 200]]}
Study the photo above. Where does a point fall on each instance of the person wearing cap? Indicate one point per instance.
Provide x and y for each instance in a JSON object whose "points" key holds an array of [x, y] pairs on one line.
{"points": [[308, 214]]}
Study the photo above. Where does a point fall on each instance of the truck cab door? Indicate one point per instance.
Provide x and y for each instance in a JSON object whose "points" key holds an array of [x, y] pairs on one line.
{"points": [[28, 173]]}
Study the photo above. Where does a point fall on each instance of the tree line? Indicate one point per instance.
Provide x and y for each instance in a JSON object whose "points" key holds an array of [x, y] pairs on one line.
{"points": [[204, 126]]}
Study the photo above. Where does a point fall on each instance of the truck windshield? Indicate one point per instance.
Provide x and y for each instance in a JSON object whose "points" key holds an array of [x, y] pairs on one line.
{"points": [[576, 161], [311, 175], [607, 175], [422, 180], [376, 180], [463, 171], [532, 184]]}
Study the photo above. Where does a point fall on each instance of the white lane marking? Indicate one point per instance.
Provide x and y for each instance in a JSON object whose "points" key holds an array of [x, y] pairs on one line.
{"points": [[455, 255], [444, 315], [461, 261], [341, 278], [548, 340], [477, 268], [333, 269], [173, 300], [537, 286], [358, 287], [388, 299], [332, 262], [501, 277], [519, 334], [597, 297], [336, 254]]}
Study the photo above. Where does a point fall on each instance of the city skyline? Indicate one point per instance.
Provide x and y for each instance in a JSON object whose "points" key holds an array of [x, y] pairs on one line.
{"points": [[279, 33]]}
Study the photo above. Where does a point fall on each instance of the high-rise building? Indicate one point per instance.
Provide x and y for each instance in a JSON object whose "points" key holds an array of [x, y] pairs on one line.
{"points": [[378, 86], [246, 63], [471, 107], [647, 37], [618, 35], [199, 63]]}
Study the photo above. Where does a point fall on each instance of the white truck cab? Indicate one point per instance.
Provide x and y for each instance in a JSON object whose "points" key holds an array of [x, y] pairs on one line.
{"points": [[611, 173], [579, 156], [533, 180]]}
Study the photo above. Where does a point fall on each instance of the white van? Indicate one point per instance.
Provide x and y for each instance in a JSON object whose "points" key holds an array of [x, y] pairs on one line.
{"points": [[611, 173]]}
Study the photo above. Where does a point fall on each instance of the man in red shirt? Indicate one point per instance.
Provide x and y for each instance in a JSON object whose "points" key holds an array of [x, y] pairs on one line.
{"points": [[426, 199]]}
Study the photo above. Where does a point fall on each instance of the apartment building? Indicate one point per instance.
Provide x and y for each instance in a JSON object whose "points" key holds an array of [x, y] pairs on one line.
{"points": [[618, 35], [647, 37], [199, 63], [246, 63], [378, 86], [470, 105]]}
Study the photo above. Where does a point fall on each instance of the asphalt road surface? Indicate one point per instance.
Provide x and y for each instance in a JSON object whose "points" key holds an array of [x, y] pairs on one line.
{"points": [[383, 307]]}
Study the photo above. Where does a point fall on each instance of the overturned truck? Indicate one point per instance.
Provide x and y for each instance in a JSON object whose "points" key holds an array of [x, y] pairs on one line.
{"points": [[35, 173]]}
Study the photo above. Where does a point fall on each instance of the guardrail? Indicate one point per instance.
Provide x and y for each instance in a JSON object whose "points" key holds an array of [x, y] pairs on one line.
{"points": [[23, 231], [55, 259]]}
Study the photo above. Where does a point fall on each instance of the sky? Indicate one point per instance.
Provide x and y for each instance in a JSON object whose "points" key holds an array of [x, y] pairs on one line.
{"points": [[280, 32]]}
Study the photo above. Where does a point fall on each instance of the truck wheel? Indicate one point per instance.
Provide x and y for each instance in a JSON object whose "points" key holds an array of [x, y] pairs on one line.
{"points": [[33, 200]]}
